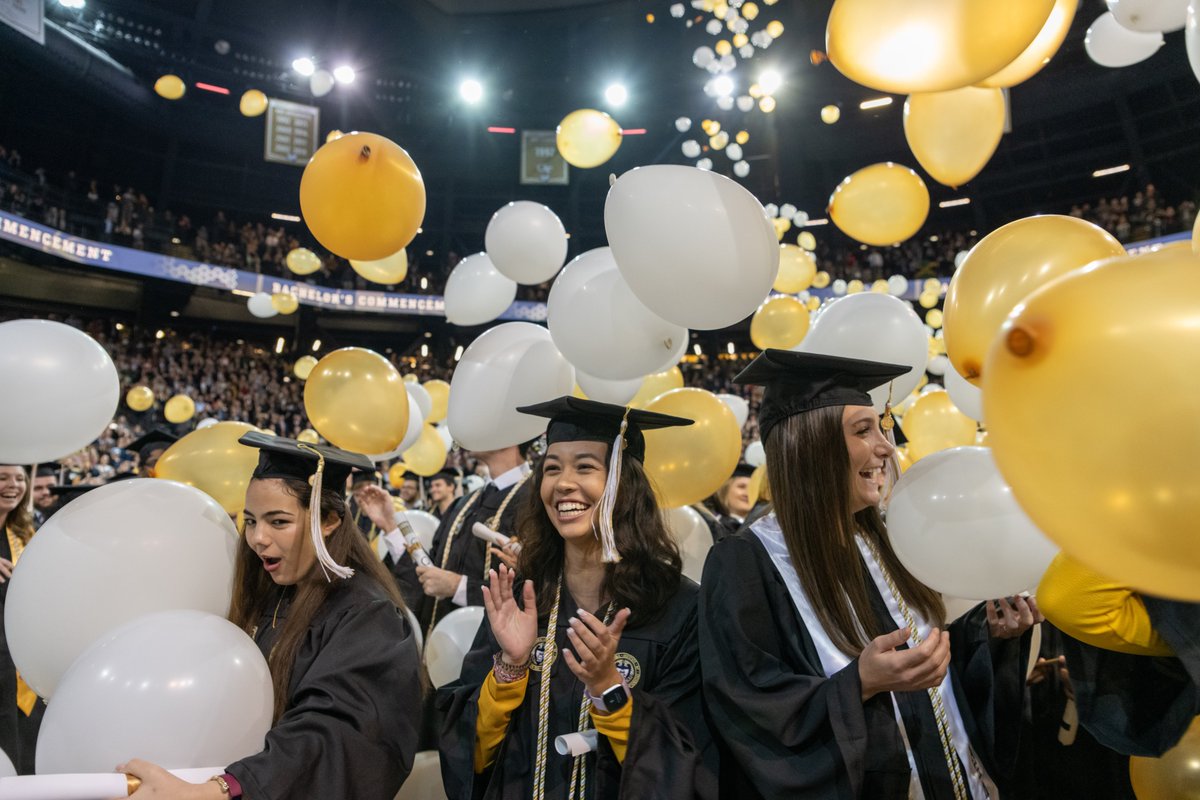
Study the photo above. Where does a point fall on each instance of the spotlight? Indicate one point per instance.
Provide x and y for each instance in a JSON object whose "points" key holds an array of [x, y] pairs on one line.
{"points": [[344, 74], [72, 3], [471, 91], [723, 86], [304, 66], [770, 81], [616, 94]]}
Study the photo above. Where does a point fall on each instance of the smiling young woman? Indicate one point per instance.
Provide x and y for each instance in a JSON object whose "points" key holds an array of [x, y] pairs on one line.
{"points": [[16, 528], [597, 642]]}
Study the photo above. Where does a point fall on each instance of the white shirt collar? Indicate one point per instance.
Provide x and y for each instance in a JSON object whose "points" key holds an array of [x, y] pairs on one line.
{"points": [[511, 477]]}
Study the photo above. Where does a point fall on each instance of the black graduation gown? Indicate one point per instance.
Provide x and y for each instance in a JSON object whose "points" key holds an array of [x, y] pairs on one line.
{"points": [[350, 728], [670, 753], [787, 731], [9, 737], [1141, 705]]}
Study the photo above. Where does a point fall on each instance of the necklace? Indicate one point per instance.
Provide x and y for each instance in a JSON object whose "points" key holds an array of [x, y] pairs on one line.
{"points": [[275, 616]]}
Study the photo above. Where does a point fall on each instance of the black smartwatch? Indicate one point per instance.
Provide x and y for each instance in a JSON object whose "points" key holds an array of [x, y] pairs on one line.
{"points": [[611, 699]]}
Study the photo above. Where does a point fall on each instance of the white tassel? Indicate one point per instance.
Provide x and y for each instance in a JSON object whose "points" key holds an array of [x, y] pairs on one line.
{"points": [[330, 567], [608, 500], [891, 467]]}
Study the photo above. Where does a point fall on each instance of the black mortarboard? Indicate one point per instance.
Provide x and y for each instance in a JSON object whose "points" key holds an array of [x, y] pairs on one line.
{"points": [[797, 382], [743, 470], [48, 470], [286, 458], [449, 476], [156, 439], [576, 420], [363, 476]]}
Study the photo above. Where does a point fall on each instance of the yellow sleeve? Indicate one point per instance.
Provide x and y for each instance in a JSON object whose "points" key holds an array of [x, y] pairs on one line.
{"points": [[615, 727], [1097, 610], [497, 702]]}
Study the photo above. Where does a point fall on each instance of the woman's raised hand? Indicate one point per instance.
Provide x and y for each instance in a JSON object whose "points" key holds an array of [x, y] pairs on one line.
{"points": [[515, 628]]}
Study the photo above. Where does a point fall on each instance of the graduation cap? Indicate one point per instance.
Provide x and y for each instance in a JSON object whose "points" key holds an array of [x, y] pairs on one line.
{"points": [[156, 439], [364, 476], [316, 463], [743, 470], [798, 382], [573, 419], [48, 470], [449, 476]]}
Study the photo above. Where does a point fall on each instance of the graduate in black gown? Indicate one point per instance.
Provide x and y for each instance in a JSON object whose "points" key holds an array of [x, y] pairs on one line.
{"points": [[728, 508], [602, 575], [343, 657], [826, 671], [16, 529]]}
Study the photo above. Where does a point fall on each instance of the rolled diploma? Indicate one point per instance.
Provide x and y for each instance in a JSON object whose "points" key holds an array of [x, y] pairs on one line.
{"points": [[415, 549], [94, 786], [576, 744], [490, 536]]}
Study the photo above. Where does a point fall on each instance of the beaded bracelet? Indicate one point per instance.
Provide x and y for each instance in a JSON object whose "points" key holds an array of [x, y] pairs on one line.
{"points": [[507, 673]]}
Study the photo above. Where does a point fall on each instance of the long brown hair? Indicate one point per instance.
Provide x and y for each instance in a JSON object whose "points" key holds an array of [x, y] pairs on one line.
{"points": [[645, 578], [20, 519], [808, 468], [253, 589]]}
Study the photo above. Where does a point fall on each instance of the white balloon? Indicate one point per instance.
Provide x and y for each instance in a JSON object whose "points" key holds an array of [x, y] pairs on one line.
{"points": [[800, 219], [1149, 16], [320, 83], [873, 327], [746, 51], [728, 62], [526, 242], [704, 164], [690, 148], [476, 292], [443, 431], [602, 328], [1191, 37], [62, 390], [421, 395], [206, 423], [7, 770], [694, 246], [604, 390], [693, 538], [787, 211], [510, 365], [755, 456], [739, 407], [745, 102], [966, 397], [713, 27], [937, 365], [424, 524], [839, 287], [897, 285], [725, 103], [677, 10], [449, 644], [771, 210], [932, 387], [260, 305], [425, 780], [956, 606], [161, 688], [1110, 45], [955, 525], [734, 152], [703, 56], [411, 433], [741, 169], [683, 124], [114, 554]]}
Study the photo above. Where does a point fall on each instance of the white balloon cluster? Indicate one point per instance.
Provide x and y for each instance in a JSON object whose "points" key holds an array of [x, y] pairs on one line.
{"points": [[1132, 30]]}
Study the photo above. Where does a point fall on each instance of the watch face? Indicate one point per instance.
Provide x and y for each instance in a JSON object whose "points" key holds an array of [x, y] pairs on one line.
{"points": [[615, 697]]}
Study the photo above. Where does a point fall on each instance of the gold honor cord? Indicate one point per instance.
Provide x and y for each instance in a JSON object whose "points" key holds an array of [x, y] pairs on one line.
{"points": [[494, 522]]}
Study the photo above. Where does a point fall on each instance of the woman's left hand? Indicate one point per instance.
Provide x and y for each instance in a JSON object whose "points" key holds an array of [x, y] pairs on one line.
{"points": [[1010, 617], [159, 784], [595, 646]]}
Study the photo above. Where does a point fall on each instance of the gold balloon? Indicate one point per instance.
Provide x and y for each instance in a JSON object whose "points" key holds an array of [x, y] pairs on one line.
{"points": [[781, 226], [356, 399], [830, 114], [760, 488], [655, 385], [821, 280], [439, 393], [932, 285], [428, 454], [410, 378], [749, 11], [767, 105], [774, 29], [880, 204], [780, 322], [253, 103], [1039, 53], [1004, 268], [578, 392], [179, 408], [954, 134], [797, 268], [934, 318], [813, 303], [139, 398], [303, 261], [1173, 776], [929, 299], [688, 464], [396, 474], [934, 423], [1196, 236], [904, 458], [587, 138], [392, 269], [854, 287], [171, 87], [308, 436], [807, 241], [284, 302], [362, 197], [929, 45], [1090, 391], [880, 286], [742, 137], [303, 367], [212, 460], [723, 47]]}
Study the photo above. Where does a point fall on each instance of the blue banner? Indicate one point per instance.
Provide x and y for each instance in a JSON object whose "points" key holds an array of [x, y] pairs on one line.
{"points": [[157, 265]]}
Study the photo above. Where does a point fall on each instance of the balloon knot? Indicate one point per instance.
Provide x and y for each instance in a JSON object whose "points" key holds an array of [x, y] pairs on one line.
{"points": [[365, 153], [1020, 342]]}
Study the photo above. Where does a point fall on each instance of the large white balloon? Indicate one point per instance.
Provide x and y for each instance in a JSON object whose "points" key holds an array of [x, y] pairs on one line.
{"points": [[61, 390], [160, 688], [260, 305], [449, 644], [476, 292], [694, 246], [1111, 45], [527, 242], [602, 328], [1191, 36], [416, 419], [956, 526], [114, 554], [607, 391], [692, 536], [873, 327], [7, 770], [739, 407], [425, 780], [966, 397], [1149, 16], [755, 454], [510, 365]]}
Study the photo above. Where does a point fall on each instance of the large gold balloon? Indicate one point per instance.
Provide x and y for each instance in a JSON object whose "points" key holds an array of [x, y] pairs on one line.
{"points": [[797, 267], [934, 423], [1173, 776], [303, 261], [880, 204], [308, 436], [253, 103], [171, 87], [688, 464], [362, 197], [780, 322], [1039, 53], [760, 487], [907, 46], [428, 454], [587, 138], [439, 393], [655, 385], [390, 270], [1090, 392], [212, 460], [284, 302], [139, 398], [954, 134], [1003, 269], [179, 408], [303, 367], [356, 399]]}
